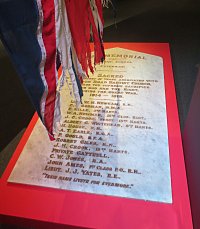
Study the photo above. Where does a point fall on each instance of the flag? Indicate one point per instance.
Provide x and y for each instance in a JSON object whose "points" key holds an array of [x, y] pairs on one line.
{"points": [[38, 33], [18, 29]]}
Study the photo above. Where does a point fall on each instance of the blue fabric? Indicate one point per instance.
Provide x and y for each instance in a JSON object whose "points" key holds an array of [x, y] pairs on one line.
{"points": [[18, 29]]}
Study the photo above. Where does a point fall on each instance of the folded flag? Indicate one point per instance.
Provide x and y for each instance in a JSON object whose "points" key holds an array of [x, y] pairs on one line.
{"points": [[38, 33]]}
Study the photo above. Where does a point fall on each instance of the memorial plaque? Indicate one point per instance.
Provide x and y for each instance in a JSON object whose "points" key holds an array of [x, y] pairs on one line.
{"points": [[116, 144]]}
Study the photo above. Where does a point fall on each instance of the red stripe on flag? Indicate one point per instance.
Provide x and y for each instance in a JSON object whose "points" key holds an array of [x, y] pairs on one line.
{"points": [[49, 39], [77, 12], [99, 54]]}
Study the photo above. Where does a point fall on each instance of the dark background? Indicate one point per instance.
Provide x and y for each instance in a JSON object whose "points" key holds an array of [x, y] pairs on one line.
{"points": [[176, 22]]}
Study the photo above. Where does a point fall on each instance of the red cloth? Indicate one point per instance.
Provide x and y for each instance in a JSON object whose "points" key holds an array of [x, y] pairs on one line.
{"points": [[80, 22], [49, 39]]}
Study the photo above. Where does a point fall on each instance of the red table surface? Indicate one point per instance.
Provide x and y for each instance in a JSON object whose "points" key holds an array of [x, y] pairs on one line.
{"points": [[30, 203]]}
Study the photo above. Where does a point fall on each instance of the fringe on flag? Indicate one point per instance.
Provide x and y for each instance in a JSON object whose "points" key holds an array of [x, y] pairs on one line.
{"points": [[64, 30], [46, 34]]}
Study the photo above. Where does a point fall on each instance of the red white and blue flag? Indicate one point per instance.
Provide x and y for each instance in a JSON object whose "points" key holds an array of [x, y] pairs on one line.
{"points": [[59, 30]]}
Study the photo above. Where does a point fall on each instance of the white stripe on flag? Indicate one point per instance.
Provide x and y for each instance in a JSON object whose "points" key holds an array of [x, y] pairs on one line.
{"points": [[64, 46]]}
